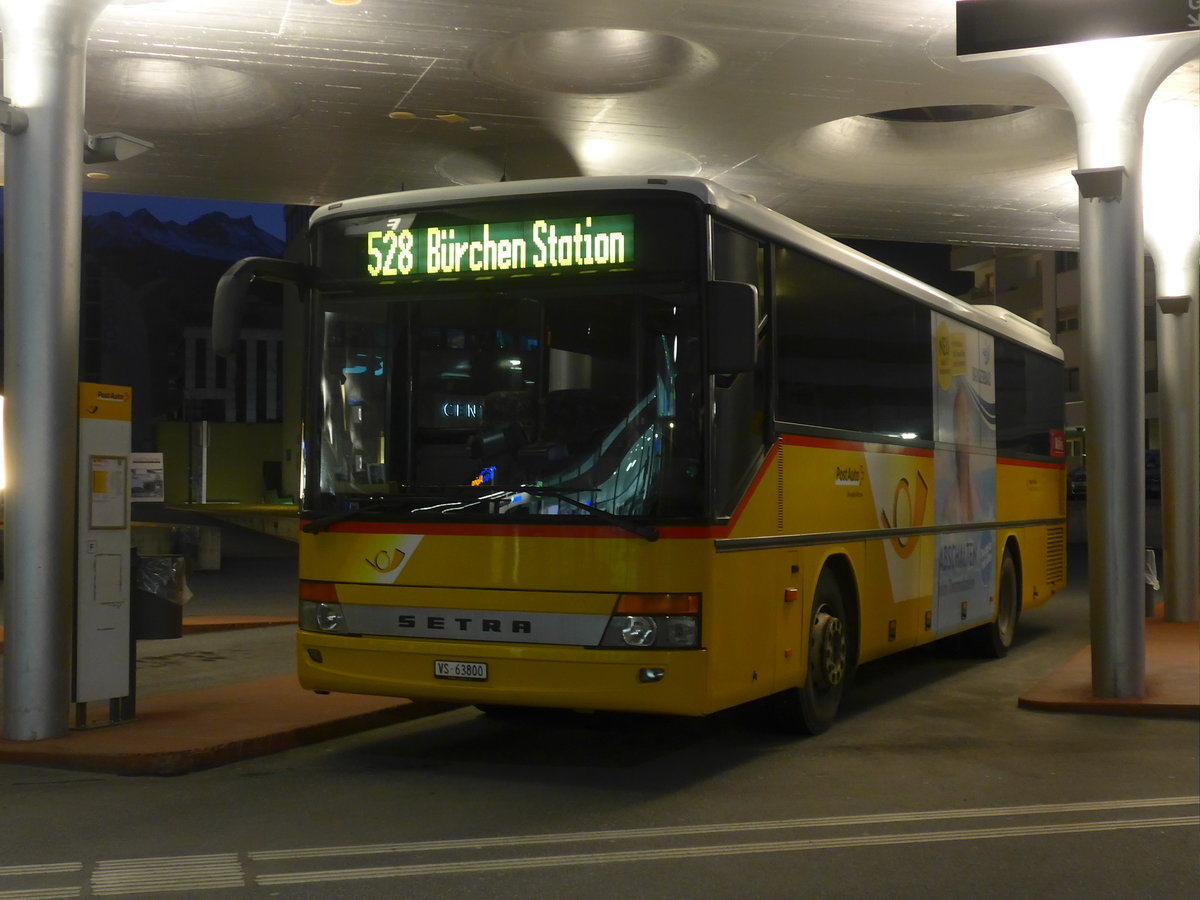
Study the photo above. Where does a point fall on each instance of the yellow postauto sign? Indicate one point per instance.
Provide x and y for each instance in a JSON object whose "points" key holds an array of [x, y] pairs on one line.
{"points": [[105, 401]]}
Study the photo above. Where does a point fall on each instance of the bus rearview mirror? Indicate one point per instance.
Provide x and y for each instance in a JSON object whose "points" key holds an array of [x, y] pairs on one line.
{"points": [[229, 299], [732, 327]]}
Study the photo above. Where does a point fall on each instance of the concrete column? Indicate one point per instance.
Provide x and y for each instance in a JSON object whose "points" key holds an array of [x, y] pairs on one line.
{"points": [[43, 171], [1107, 85], [1172, 186]]}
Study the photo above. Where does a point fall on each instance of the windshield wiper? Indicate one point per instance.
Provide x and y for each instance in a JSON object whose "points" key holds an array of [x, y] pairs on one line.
{"points": [[634, 526], [443, 501]]}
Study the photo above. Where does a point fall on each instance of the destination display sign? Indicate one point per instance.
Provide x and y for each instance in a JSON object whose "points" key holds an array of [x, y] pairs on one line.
{"points": [[532, 246], [1004, 26]]}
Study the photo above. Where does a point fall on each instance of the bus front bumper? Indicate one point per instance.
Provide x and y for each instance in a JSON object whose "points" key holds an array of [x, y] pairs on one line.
{"points": [[672, 682]]}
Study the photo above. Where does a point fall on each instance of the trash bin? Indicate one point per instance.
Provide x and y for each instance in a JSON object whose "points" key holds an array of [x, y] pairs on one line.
{"points": [[158, 592]]}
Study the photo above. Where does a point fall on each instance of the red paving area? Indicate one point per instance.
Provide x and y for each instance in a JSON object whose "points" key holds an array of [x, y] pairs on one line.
{"points": [[184, 732], [1172, 678]]}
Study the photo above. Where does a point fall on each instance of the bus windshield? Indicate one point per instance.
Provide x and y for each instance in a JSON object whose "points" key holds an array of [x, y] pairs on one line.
{"points": [[506, 402]]}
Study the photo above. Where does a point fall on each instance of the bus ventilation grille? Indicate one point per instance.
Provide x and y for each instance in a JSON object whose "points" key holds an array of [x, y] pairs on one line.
{"points": [[1056, 554], [779, 485]]}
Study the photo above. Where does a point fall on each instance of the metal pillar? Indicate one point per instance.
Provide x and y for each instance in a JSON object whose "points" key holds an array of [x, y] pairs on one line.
{"points": [[44, 46], [1178, 388], [1107, 85], [1172, 186]]}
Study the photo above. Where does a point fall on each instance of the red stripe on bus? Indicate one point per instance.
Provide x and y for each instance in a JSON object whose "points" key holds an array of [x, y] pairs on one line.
{"points": [[795, 440], [1030, 463]]}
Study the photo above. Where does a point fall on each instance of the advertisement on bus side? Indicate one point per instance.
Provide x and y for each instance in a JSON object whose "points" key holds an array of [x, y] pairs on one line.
{"points": [[964, 473]]}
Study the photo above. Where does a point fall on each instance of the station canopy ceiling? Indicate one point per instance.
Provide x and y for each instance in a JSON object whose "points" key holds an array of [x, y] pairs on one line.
{"points": [[854, 117]]}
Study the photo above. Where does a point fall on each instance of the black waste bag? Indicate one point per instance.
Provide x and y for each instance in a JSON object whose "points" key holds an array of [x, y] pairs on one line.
{"points": [[158, 591]]}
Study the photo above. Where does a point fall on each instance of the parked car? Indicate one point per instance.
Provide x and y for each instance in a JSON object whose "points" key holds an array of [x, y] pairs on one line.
{"points": [[1077, 478]]}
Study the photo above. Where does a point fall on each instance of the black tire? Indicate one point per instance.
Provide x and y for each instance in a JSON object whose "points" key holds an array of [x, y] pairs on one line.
{"points": [[991, 641], [832, 656]]}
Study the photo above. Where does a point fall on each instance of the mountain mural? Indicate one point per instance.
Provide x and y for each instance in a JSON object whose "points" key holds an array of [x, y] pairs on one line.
{"points": [[214, 236], [144, 283]]}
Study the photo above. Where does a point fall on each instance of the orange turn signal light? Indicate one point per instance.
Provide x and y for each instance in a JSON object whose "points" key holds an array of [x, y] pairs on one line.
{"points": [[658, 604], [318, 591]]}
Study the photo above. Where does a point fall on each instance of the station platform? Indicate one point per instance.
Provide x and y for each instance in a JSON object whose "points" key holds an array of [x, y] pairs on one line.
{"points": [[226, 691], [184, 731]]}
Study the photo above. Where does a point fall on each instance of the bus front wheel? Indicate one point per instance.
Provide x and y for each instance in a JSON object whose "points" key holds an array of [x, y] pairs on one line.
{"points": [[812, 707]]}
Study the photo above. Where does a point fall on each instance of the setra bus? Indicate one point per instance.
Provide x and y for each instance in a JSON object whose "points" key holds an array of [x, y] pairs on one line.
{"points": [[642, 444]]}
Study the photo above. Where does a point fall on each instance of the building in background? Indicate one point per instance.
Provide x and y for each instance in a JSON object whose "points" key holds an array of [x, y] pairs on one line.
{"points": [[1043, 287]]}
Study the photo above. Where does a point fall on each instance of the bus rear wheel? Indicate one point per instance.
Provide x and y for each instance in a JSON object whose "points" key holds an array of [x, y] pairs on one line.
{"points": [[812, 707], [991, 641]]}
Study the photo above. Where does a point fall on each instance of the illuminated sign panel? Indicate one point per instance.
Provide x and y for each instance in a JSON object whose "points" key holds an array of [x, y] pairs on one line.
{"points": [[537, 245]]}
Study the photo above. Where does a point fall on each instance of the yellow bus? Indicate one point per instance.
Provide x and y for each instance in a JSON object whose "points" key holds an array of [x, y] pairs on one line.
{"points": [[642, 444]]}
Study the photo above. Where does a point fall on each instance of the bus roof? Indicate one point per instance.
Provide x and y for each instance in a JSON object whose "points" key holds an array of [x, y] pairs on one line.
{"points": [[730, 205]]}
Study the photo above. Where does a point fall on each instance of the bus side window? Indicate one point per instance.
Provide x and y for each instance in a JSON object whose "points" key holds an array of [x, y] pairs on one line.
{"points": [[852, 355]]}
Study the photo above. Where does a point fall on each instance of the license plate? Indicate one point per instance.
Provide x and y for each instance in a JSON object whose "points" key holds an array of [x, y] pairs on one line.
{"points": [[460, 671]]}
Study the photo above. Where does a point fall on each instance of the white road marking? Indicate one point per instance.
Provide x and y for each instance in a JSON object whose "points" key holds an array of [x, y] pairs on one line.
{"points": [[162, 874], [578, 859], [43, 893], [63, 893], [47, 869], [165, 874], [725, 827]]}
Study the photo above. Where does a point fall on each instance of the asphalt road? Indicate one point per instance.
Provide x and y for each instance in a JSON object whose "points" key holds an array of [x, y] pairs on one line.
{"points": [[933, 784]]}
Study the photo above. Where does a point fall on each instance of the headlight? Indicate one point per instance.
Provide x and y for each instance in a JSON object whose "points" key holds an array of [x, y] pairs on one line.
{"points": [[654, 621], [637, 631], [326, 617], [320, 609]]}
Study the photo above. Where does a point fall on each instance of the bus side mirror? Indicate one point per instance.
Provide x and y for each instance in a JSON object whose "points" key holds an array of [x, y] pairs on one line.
{"points": [[229, 300], [732, 327]]}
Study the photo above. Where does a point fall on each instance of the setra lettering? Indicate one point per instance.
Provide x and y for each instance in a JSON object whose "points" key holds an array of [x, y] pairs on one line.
{"points": [[462, 624]]}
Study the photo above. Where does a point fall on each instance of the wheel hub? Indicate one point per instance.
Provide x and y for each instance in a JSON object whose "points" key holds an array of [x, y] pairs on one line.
{"points": [[829, 650]]}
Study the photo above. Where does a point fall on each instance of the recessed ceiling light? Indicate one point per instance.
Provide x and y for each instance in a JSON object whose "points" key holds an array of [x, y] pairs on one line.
{"points": [[181, 96], [345, 2], [960, 113], [600, 61], [595, 151]]}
